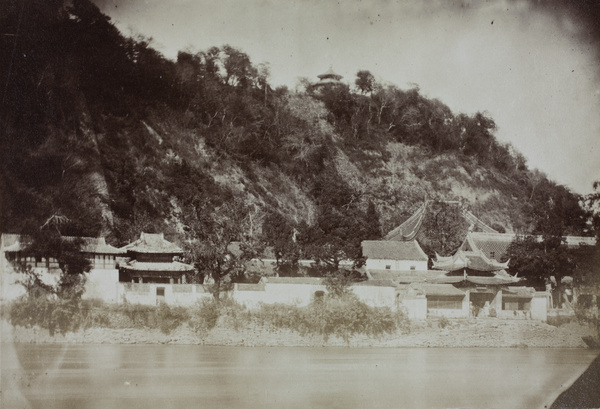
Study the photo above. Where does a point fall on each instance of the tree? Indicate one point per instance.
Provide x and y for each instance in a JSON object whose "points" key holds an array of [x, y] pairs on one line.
{"points": [[539, 260], [279, 233], [73, 264], [444, 229], [238, 68], [593, 203], [365, 81], [211, 243]]}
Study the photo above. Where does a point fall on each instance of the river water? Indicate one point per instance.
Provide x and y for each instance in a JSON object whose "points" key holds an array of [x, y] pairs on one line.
{"points": [[192, 376]]}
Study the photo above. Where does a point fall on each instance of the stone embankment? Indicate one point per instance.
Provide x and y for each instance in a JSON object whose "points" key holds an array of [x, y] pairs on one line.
{"points": [[456, 334]]}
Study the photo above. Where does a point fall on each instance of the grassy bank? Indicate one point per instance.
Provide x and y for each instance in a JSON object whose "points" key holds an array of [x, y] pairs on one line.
{"points": [[343, 317]]}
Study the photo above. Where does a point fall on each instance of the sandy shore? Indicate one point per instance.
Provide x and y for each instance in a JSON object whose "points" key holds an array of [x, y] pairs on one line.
{"points": [[459, 334]]}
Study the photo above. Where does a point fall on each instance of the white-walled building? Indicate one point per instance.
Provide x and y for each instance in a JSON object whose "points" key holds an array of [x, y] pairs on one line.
{"points": [[394, 255]]}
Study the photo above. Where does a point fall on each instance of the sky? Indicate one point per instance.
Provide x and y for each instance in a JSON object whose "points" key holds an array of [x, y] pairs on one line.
{"points": [[533, 65]]}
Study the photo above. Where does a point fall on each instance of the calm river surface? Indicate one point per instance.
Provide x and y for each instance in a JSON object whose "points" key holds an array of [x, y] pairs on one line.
{"points": [[190, 376]]}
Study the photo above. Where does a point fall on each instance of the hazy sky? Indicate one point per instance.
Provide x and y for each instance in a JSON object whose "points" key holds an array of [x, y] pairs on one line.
{"points": [[533, 65]]}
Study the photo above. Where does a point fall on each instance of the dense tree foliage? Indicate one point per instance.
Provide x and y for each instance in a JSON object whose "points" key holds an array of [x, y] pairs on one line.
{"points": [[73, 264], [444, 229], [540, 260]]}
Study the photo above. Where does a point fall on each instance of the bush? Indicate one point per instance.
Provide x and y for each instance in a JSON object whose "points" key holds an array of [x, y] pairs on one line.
{"points": [[204, 315], [344, 317], [58, 315], [137, 316], [53, 314], [558, 320], [95, 313], [169, 318], [443, 322]]}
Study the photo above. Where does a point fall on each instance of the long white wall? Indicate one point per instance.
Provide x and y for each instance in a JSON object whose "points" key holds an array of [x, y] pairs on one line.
{"points": [[102, 284]]}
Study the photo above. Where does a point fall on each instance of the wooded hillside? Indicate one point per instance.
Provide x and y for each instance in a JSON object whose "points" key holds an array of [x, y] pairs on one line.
{"points": [[101, 135]]}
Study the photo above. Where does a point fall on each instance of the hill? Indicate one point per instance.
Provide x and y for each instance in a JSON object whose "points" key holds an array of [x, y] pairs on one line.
{"points": [[101, 135]]}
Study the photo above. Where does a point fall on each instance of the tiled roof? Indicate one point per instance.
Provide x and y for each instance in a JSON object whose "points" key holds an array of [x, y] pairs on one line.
{"points": [[441, 289], [491, 280], [330, 74], [410, 227], [393, 250], [174, 266], [152, 243], [474, 260], [448, 280]]}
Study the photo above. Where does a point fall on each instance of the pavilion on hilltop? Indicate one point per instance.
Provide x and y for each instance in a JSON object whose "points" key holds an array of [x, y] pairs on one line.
{"points": [[328, 78]]}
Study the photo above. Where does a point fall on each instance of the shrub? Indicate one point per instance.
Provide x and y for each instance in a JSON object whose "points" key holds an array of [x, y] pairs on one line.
{"points": [[138, 316], [204, 315], [51, 313], [169, 318], [343, 316], [558, 320], [95, 313], [235, 314], [444, 322]]}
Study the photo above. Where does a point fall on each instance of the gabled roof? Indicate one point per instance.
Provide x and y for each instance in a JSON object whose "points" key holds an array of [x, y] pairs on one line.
{"points": [[152, 243], [393, 250], [409, 229], [474, 260]]}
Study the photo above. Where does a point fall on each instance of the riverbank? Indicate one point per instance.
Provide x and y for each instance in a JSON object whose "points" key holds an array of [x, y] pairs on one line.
{"points": [[488, 332]]}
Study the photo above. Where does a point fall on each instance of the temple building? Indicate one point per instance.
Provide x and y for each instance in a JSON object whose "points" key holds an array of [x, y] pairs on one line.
{"points": [[394, 255], [328, 78], [101, 279], [152, 259], [470, 283], [490, 289]]}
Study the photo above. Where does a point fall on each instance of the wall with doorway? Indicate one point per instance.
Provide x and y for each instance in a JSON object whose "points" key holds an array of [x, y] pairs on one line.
{"points": [[153, 294]]}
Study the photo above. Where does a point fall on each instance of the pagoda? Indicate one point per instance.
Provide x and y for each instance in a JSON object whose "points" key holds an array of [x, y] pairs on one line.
{"points": [[328, 78], [152, 259]]}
